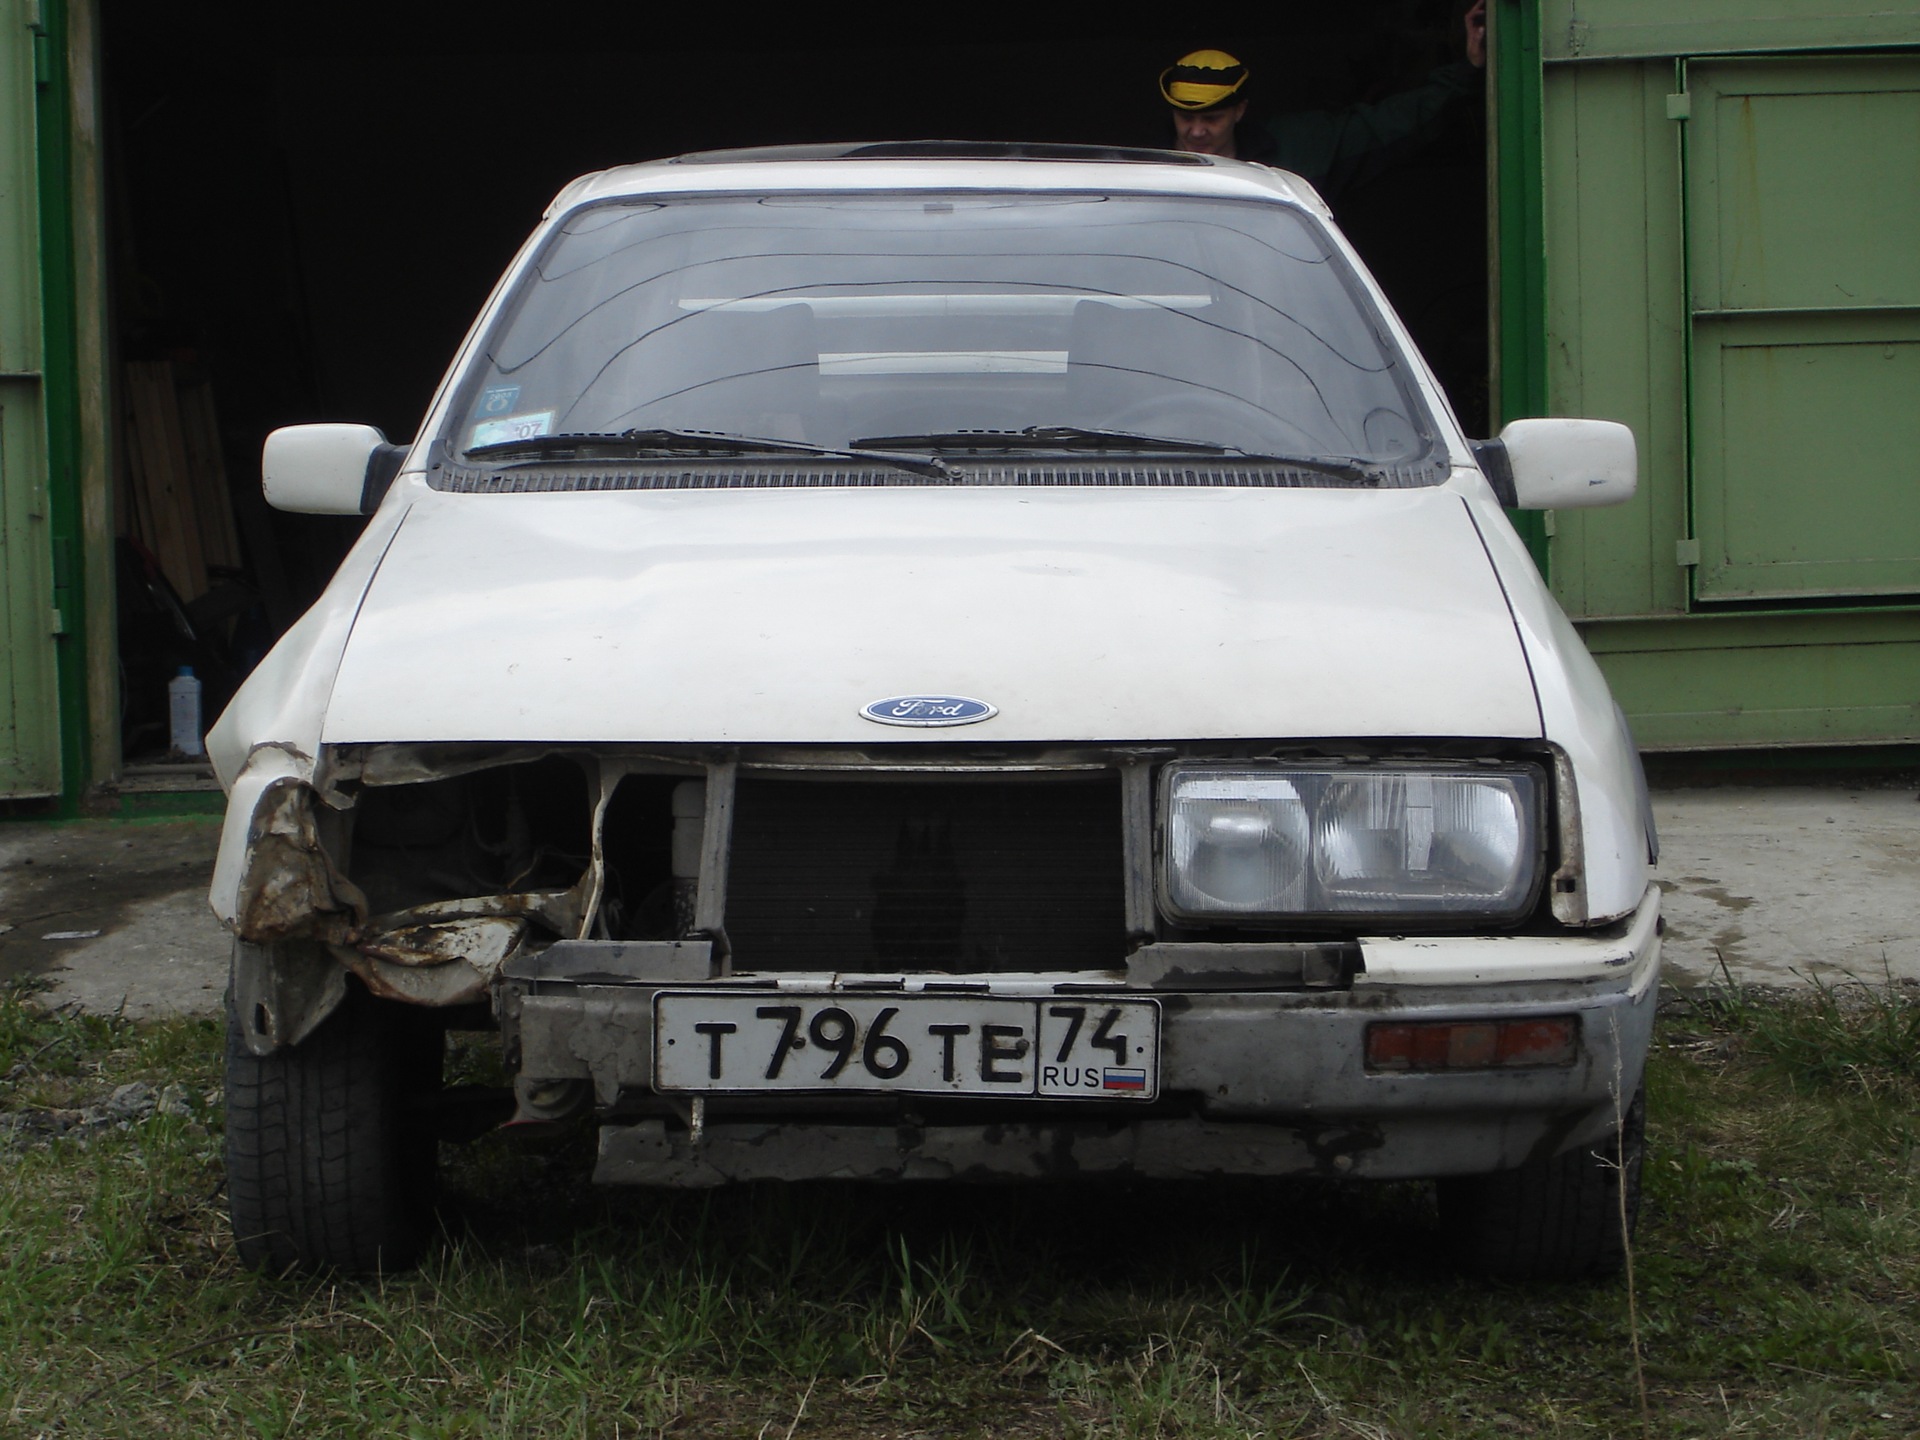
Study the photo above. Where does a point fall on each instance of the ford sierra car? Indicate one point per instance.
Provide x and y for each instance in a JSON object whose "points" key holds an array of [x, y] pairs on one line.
{"points": [[940, 662]]}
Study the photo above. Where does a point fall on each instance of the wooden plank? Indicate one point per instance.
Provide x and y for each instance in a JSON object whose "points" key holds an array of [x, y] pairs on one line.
{"points": [[144, 527], [166, 401], [150, 485], [193, 473], [95, 382], [156, 436], [126, 514], [200, 428], [221, 481]]}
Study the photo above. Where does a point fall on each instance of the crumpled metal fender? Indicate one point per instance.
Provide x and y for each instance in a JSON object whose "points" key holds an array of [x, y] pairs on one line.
{"points": [[301, 926], [288, 885], [448, 952], [281, 992], [283, 989], [269, 736], [277, 889]]}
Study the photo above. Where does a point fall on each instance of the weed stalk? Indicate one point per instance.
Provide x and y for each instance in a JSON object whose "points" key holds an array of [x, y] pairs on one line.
{"points": [[1626, 1230]]}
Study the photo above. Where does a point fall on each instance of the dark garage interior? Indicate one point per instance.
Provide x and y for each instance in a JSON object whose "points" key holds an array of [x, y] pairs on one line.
{"points": [[307, 205]]}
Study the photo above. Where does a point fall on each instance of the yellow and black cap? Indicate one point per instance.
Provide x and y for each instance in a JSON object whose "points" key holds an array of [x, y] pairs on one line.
{"points": [[1204, 80]]}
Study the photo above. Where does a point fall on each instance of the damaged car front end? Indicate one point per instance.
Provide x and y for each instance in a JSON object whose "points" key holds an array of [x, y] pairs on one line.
{"points": [[1260, 813]]}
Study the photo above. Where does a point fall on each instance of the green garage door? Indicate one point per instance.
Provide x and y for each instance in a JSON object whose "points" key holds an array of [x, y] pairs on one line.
{"points": [[1803, 218], [29, 707], [29, 713]]}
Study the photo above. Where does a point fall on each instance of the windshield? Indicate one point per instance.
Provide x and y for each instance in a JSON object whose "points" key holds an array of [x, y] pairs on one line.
{"points": [[828, 319]]}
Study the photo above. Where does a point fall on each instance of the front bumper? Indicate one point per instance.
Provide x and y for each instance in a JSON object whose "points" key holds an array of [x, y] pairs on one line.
{"points": [[1253, 1081]]}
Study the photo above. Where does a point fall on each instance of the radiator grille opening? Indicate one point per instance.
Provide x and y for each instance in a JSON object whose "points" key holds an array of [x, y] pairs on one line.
{"points": [[939, 874]]}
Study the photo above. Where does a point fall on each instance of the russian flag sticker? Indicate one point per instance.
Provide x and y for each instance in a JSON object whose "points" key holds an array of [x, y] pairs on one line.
{"points": [[1113, 1077]]}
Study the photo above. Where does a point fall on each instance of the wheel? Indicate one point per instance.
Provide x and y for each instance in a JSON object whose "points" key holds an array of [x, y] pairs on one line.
{"points": [[1556, 1219], [330, 1147]]}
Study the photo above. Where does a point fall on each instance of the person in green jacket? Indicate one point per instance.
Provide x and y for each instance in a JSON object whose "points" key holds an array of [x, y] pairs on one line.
{"points": [[1332, 149]]}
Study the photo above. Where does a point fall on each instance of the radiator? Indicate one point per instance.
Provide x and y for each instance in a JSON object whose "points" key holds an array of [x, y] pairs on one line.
{"points": [[935, 874]]}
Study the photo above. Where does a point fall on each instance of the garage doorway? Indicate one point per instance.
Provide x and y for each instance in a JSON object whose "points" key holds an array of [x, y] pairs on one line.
{"points": [[306, 205]]}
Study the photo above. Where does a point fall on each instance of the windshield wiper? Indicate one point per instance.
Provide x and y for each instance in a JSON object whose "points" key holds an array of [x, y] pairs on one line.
{"points": [[1358, 471], [1075, 437], [634, 444]]}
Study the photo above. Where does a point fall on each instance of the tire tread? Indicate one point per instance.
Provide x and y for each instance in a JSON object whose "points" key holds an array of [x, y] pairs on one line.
{"points": [[329, 1165], [1553, 1219]]}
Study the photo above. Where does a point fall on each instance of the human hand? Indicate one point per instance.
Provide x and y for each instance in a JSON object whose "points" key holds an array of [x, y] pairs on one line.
{"points": [[1476, 23]]}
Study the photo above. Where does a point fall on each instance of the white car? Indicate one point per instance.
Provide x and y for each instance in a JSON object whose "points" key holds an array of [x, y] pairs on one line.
{"points": [[938, 661]]}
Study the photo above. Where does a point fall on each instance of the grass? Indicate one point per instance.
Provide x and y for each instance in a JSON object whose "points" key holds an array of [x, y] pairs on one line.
{"points": [[1777, 1274]]}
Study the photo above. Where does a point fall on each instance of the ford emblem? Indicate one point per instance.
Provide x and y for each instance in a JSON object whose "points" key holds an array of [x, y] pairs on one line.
{"points": [[928, 710]]}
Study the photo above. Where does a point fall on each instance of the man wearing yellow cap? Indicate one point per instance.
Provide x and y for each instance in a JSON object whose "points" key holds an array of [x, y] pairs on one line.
{"points": [[1207, 93]]}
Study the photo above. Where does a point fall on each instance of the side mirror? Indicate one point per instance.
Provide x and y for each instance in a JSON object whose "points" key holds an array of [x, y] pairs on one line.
{"points": [[1561, 464], [328, 469]]}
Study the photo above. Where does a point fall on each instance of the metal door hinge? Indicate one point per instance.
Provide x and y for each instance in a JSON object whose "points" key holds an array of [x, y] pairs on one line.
{"points": [[42, 45], [1686, 552], [59, 619], [1680, 107]]}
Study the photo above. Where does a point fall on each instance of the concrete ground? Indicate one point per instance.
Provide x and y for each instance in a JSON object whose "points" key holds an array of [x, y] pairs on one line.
{"points": [[114, 914], [1772, 885], [1783, 883]]}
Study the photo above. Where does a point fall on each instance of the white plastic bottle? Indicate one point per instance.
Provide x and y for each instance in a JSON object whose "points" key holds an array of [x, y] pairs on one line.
{"points": [[183, 712]]}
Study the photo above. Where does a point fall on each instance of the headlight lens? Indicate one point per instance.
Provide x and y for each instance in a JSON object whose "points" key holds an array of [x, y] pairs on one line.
{"points": [[1239, 844], [1349, 842]]}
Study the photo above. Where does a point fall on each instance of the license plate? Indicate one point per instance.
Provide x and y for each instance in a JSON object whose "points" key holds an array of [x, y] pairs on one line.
{"points": [[1049, 1049]]}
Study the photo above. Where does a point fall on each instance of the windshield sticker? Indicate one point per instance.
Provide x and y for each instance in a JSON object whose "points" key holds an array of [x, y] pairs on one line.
{"points": [[514, 427], [498, 400]]}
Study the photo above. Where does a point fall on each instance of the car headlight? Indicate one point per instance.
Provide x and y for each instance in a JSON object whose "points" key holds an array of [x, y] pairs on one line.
{"points": [[1342, 842]]}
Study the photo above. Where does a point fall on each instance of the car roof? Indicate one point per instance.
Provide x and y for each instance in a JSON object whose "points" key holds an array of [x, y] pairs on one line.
{"points": [[940, 165], [946, 150]]}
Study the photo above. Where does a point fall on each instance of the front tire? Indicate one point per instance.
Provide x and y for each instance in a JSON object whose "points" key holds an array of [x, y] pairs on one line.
{"points": [[1554, 1219], [331, 1154]]}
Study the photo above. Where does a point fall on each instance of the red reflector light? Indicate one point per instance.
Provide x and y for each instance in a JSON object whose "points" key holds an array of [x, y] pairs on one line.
{"points": [[1472, 1044]]}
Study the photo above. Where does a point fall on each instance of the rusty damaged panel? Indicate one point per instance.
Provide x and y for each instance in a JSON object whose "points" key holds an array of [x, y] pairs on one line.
{"points": [[443, 953], [290, 886]]}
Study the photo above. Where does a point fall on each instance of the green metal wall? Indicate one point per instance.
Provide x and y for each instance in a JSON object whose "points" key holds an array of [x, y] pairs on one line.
{"points": [[29, 668], [57, 654], [1725, 204]]}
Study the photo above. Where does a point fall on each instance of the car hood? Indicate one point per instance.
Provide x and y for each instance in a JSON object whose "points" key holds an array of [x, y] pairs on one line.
{"points": [[1084, 614]]}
